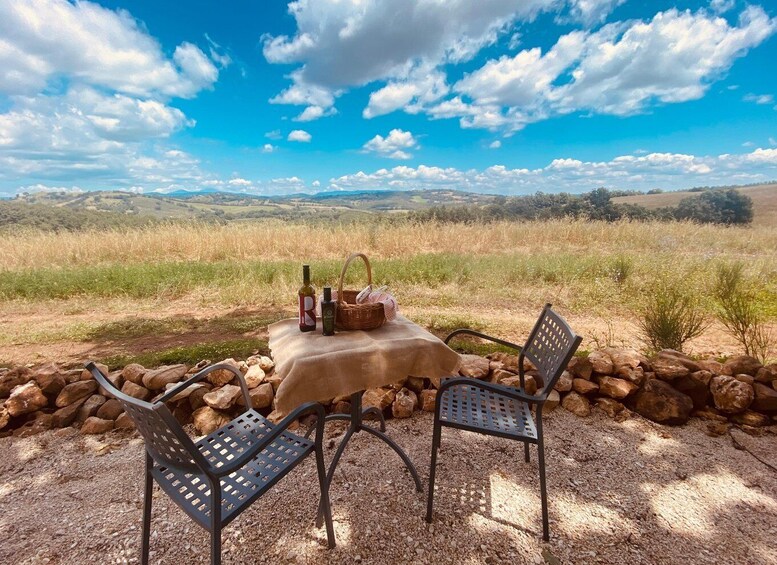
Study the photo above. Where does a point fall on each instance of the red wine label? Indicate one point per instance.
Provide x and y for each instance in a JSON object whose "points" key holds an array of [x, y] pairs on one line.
{"points": [[307, 311]]}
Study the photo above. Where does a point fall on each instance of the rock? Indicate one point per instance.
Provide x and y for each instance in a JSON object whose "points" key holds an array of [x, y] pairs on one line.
{"points": [[134, 373], [223, 376], [74, 375], [275, 416], [730, 395], [110, 410], [416, 384], [765, 398], [742, 364], [266, 363], [274, 380], [577, 404], [609, 406], [196, 397], [583, 386], [116, 380], [124, 422], [626, 361], [90, 407], [25, 399], [49, 379], [13, 378], [750, 418], [716, 429], [381, 398], [183, 414], [74, 392], [404, 403], [65, 416], [660, 402], [135, 391], [86, 374], [564, 382], [711, 365], [473, 366], [186, 392], [710, 413], [636, 375], [222, 398], [553, 400], [94, 425], [428, 400], [261, 396], [158, 378], [342, 407], [41, 423], [703, 377], [580, 367], [742, 378], [668, 369], [207, 420], [5, 417], [254, 376], [696, 389], [530, 385], [601, 362], [616, 388], [767, 374], [679, 358]]}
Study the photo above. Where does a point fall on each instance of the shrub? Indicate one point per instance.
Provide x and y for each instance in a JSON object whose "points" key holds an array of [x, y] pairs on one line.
{"points": [[738, 310], [717, 207], [621, 268], [670, 317]]}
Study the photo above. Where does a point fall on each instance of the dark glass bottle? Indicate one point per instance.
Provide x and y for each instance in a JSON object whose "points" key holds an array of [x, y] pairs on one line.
{"points": [[307, 302], [328, 312]]}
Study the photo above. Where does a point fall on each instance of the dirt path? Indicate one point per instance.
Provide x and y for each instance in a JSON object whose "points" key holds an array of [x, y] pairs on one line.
{"points": [[631, 493]]}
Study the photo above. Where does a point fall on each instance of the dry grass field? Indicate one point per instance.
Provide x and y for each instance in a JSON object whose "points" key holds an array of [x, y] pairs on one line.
{"points": [[178, 292]]}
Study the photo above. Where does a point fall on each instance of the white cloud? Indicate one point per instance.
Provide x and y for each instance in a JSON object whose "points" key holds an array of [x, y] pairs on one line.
{"points": [[393, 146], [495, 144], [313, 113], [721, 6], [299, 135], [43, 39], [772, 141], [619, 69], [268, 148], [422, 87], [591, 12], [274, 134], [759, 98]]}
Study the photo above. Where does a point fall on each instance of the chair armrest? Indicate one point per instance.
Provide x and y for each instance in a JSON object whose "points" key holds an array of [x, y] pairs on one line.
{"points": [[482, 336], [204, 373], [277, 431], [501, 389]]}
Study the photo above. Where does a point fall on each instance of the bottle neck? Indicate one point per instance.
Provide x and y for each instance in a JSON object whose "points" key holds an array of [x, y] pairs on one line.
{"points": [[306, 275]]}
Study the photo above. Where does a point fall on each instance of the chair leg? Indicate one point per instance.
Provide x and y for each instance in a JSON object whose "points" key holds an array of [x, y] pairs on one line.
{"points": [[526, 451], [215, 522], [432, 469], [147, 496], [325, 505], [543, 490]]}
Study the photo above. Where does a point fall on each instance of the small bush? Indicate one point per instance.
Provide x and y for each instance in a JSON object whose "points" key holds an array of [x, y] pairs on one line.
{"points": [[621, 268], [738, 310], [670, 317]]}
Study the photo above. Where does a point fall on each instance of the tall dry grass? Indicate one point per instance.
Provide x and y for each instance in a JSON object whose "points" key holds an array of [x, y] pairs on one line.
{"points": [[274, 241]]}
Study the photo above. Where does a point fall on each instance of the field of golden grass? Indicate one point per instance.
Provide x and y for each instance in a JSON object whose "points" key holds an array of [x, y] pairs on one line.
{"points": [[105, 294]]}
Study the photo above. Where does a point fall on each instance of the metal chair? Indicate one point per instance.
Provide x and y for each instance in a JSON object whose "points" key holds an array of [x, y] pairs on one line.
{"points": [[219, 476], [503, 411]]}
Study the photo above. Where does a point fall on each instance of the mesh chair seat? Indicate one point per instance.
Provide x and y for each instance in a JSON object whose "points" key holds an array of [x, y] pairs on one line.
{"points": [[471, 408], [242, 487]]}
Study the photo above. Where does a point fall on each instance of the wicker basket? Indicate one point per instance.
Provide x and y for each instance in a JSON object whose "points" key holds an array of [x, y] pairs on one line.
{"points": [[352, 316]]}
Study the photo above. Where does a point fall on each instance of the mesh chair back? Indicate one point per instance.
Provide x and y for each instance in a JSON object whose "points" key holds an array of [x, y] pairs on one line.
{"points": [[165, 440], [549, 347]]}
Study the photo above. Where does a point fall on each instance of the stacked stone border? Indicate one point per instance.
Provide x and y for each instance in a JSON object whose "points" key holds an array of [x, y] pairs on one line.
{"points": [[668, 388]]}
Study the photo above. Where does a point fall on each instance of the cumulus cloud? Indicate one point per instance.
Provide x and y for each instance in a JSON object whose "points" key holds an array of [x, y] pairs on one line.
{"points": [[495, 144], [313, 113], [299, 135], [759, 98], [43, 39], [643, 172], [268, 148], [591, 12], [394, 146]]}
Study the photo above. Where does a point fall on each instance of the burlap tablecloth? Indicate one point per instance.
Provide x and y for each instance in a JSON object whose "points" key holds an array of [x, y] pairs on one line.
{"points": [[315, 367]]}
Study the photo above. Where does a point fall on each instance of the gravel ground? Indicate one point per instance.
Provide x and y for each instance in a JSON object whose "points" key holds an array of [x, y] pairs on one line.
{"points": [[630, 492]]}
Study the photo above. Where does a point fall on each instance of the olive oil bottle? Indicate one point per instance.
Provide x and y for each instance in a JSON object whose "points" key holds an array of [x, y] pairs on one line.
{"points": [[307, 302], [328, 312]]}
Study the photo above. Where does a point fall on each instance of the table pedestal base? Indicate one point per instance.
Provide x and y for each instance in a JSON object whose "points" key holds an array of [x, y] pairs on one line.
{"points": [[356, 418]]}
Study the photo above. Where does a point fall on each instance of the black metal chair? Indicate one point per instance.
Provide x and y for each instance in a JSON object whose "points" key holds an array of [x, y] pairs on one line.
{"points": [[503, 411], [216, 478]]}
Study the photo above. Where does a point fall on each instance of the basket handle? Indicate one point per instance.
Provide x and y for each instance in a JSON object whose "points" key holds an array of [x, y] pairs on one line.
{"points": [[351, 257]]}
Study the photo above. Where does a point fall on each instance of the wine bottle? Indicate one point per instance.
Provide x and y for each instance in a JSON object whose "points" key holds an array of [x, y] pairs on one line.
{"points": [[328, 312], [307, 302]]}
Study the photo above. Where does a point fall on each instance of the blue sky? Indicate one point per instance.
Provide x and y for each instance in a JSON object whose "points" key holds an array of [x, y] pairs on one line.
{"points": [[502, 96]]}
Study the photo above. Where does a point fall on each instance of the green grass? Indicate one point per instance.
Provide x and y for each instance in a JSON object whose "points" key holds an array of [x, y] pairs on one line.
{"points": [[191, 354]]}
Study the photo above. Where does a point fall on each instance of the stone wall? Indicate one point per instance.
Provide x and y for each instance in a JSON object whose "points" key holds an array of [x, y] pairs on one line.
{"points": [[668, 388]]}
